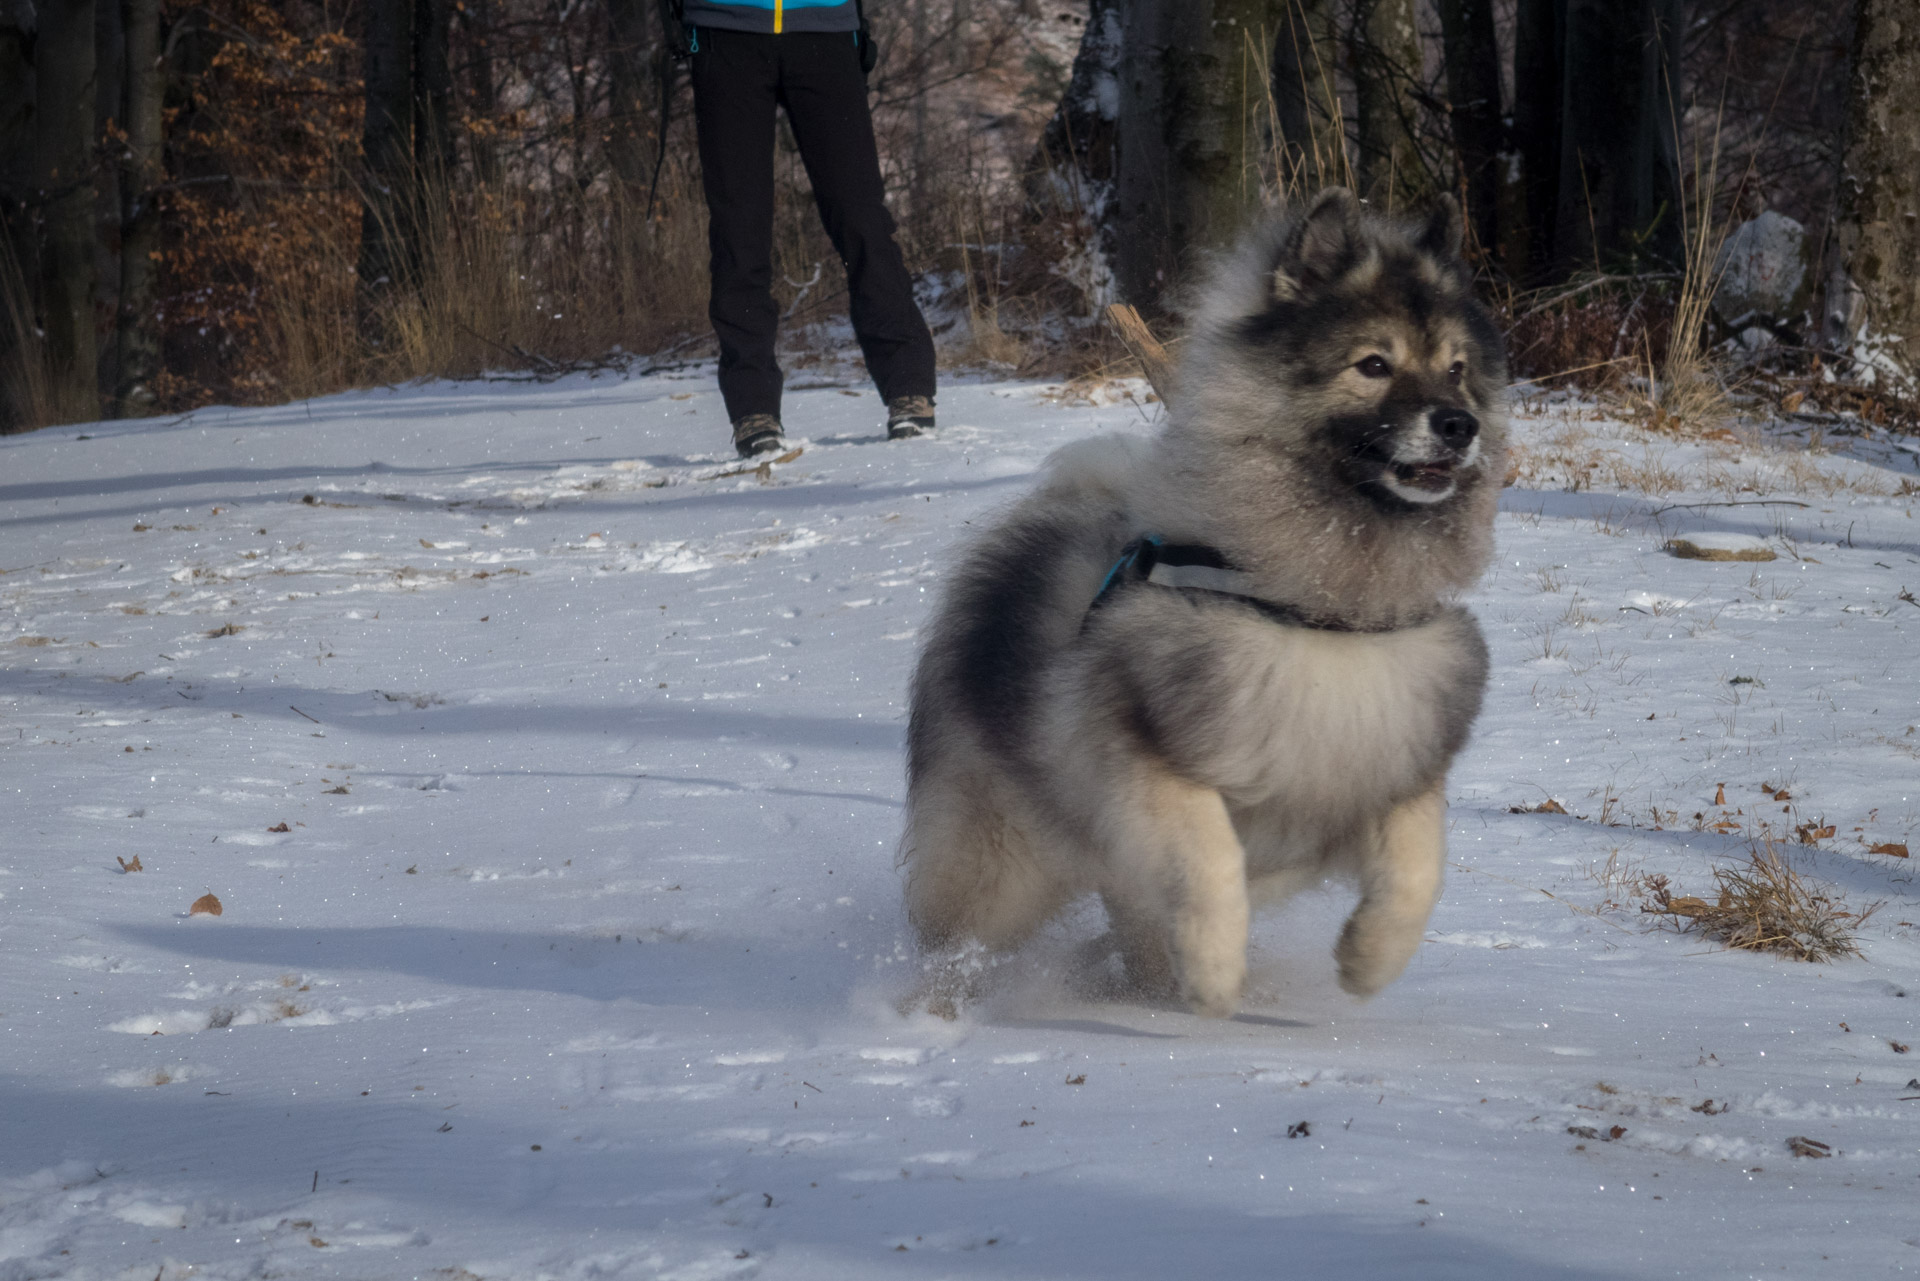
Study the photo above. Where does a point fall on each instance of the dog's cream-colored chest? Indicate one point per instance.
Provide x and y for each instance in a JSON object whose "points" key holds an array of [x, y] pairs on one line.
{"points": [[1323, 718]]}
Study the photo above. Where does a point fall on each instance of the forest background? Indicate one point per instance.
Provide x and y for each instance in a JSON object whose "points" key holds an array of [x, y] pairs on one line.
{"points": [[256, 201]]}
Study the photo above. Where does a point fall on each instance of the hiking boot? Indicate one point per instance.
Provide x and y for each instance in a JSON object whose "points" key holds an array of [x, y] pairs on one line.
{"points": [[909, 416], [757, 434]]}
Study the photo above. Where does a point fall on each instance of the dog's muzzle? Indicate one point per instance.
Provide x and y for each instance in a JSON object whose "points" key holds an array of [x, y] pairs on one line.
{"points": [[1425, 472]]}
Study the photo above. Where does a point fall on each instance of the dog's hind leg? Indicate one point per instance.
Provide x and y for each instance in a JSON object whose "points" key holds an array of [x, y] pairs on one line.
{"points": [[1141, 943], [1399, 884], [1177, 863]]}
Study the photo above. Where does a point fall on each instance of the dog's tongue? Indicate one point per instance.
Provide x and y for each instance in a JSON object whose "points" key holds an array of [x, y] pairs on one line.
{"points": [[1436, 475]]}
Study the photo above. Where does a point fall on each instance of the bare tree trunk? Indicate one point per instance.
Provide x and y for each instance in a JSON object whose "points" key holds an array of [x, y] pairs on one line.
{"points": [[18, 348], [476, 19], [1383, 47], [109, 84], [628, 90], [1619, 162], [387, 152], [917, 163], [1656, 197], [1190, 133], [137, 330], [1873, 290], [1080, 134], [433, 153], [1312, 141], [1539, 58], [18, 24], [1473, 101], [63, 155]]}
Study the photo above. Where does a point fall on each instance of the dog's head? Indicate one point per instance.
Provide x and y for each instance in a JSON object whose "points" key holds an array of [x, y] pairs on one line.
{"points": [[1376, 364]]}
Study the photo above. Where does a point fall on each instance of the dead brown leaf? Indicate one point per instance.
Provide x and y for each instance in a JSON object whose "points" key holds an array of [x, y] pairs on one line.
{"points": [[205, 905], [1548, 806], [129, 866], [1893, 849], [279, 827], [228, 629]]}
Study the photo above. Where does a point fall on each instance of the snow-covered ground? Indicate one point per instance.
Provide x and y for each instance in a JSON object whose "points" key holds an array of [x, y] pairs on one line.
{"points": [[547, 765]]}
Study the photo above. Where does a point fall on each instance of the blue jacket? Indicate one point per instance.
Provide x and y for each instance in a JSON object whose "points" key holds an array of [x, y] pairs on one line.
{"points": [[773, 16]]}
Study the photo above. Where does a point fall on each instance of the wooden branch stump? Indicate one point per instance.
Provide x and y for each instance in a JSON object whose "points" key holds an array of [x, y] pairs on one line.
{"points": [[1143, 347]]}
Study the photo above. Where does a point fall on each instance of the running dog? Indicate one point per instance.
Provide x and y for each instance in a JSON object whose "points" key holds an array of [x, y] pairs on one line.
{"points": [[1199, 671]]}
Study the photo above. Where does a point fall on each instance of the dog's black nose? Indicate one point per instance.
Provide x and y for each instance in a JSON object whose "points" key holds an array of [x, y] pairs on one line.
{"points": [[1456, 427]]}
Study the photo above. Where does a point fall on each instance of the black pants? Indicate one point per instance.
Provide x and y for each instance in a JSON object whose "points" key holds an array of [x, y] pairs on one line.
{"points": [[738, 79]]}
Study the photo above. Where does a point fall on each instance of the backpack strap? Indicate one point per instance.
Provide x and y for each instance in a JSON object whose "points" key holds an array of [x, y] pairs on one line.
{"points": [[863, 36], [681, 44]]}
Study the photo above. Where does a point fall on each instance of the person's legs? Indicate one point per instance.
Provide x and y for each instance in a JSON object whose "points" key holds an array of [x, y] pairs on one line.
{"points": [[735, 77], [825, 95]]}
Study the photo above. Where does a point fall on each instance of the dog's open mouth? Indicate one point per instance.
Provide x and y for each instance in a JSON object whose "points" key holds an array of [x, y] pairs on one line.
{"points": [[1431, 477]]}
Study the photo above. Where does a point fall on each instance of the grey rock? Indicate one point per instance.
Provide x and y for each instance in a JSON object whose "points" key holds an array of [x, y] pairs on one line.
{"points": [[1765, 274]]}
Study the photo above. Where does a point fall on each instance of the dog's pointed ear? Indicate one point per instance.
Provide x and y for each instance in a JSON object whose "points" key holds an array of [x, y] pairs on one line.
{"points": [[1443, 230], [1322, 247]]}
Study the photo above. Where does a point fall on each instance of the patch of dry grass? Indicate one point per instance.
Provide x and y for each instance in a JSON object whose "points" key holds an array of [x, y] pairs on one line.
{"points": [[33, 390], [1651, 473], [1685, 394], [1763, 905]]}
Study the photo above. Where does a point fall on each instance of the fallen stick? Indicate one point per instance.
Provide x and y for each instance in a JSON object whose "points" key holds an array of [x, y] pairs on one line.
{"points": [[1144, 347]]}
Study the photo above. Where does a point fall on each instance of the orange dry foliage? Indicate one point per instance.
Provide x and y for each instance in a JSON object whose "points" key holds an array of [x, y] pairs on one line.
{"points": [[259, 202]]}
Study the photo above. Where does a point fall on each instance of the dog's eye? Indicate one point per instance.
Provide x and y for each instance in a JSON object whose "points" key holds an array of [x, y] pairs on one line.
{"points": [[1456, 371], [1375, 367]]}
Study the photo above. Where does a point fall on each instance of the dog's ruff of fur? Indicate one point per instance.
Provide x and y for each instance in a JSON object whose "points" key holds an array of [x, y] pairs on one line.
{"points": [[1338, 437]]}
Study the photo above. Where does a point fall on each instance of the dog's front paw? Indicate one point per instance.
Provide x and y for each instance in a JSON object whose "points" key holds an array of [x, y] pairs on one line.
{"points": [[1362, 983], [1213, 991], [1215, 1005]]}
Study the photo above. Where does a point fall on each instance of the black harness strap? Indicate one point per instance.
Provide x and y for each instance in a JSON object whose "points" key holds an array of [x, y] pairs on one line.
{"points": [[1153, 561]]}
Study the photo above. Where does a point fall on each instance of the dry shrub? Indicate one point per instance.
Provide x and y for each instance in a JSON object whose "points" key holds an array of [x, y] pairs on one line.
{"points": [[1642, 336], [256, 204], [1586, 333], [1685, 393], [1764, 905], [502, 280]]}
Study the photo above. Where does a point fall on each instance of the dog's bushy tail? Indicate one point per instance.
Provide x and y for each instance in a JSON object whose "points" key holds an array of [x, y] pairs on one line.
{"points": [[973, 874], [976, 870]]}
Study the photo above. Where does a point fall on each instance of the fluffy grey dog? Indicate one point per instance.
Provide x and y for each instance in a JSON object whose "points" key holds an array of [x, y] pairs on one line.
{"points": [[1205, 669]]}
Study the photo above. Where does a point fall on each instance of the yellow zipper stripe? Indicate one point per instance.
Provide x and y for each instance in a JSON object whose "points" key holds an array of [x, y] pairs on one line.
{"points": [[777, 14]]}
